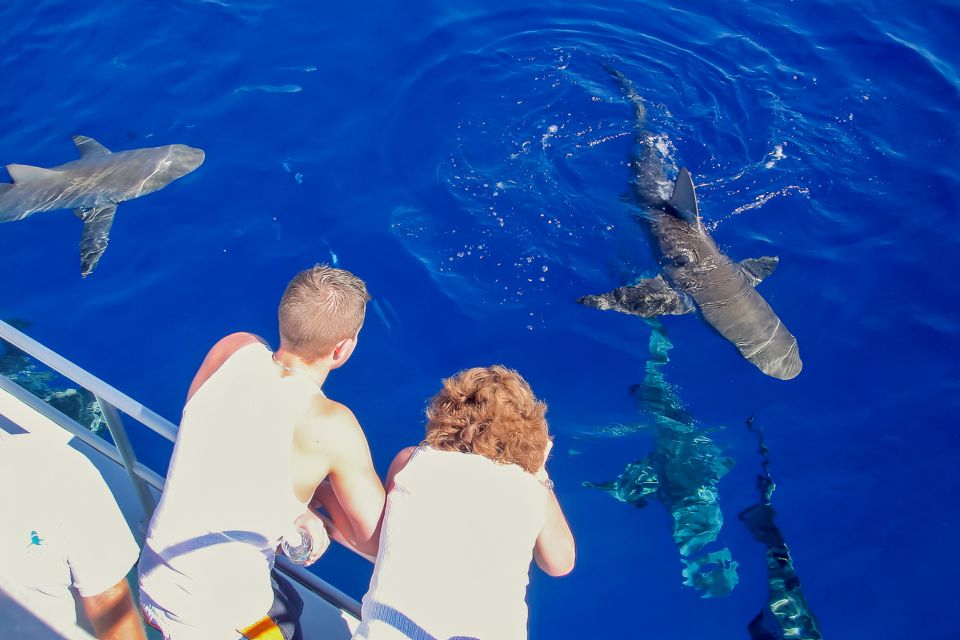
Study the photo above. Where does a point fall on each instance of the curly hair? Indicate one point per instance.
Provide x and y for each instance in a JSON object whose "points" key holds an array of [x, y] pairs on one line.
{"points": [[490, 411]]}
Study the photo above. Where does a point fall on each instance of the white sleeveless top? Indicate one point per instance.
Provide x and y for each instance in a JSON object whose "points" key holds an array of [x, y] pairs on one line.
{"points": [[455, 550], [228, 498]]}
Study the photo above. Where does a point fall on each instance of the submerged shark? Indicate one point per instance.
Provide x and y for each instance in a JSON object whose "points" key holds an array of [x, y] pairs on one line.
{"points": [[786, 614], [696, 275], [93, 186], [682, 473]]}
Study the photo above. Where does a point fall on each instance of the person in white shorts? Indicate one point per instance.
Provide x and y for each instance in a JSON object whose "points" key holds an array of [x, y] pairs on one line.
{"points": [[257, 439], [61, 531]]}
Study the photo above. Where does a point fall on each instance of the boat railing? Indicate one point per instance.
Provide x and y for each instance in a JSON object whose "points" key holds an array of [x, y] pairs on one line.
{"points": [[112, 402]]}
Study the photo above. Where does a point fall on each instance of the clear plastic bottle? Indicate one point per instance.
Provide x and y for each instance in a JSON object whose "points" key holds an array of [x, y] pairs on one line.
{"points": [[298, 545]]}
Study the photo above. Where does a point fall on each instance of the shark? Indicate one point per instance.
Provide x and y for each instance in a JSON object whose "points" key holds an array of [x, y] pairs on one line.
{"points": [[786, 614], [93, 186], [696, 275], [682, 472]]}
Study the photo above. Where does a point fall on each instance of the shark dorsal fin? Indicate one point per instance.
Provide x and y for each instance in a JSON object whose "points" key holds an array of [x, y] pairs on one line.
{"points": [[89, 147], [25, 173], [684, 198]]}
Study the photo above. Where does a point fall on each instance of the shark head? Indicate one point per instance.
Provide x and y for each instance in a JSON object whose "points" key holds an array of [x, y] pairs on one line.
{"points": [[158, 167], [183, 160]]}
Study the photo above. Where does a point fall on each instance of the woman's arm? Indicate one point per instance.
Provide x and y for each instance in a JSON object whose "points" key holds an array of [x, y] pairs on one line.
{"points": [[555, 550]]}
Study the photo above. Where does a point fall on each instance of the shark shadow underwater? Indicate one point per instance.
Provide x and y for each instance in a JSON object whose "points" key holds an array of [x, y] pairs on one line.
{"points": [[696, 275], [93, 186]]}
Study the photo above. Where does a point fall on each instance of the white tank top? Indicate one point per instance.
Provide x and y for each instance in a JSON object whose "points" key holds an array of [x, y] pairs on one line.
{"points": [[228, 498], [455, 550]]}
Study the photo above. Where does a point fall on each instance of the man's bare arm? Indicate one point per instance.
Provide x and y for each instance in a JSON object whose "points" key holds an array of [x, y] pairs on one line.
{"points": [[113, 614], [326, 499], [356, 491], [338, 524], [328, 508]]}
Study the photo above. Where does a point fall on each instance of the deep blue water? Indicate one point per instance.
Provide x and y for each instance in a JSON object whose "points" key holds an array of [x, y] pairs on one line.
{"points": [[469, 160]]}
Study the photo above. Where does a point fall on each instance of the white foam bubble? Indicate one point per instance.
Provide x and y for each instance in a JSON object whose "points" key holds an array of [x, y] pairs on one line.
{"points": [[269, 88], [775, 156]]}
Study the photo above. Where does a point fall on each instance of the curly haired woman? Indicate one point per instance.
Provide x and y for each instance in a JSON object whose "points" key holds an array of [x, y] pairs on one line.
{"points": [[466, 511]]}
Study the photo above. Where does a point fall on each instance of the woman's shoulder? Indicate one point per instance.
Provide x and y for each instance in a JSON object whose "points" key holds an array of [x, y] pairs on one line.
{"points": [[403, 456], [399, 462]]}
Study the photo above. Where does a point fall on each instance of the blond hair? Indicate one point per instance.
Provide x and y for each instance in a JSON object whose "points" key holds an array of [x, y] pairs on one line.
{"points": [[320, 307], [490, 411]]}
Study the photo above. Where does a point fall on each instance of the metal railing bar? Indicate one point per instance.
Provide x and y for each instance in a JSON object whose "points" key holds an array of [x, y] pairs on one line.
{"points": [[125, 449], [95, 385], [149, 476], [318, 586]]}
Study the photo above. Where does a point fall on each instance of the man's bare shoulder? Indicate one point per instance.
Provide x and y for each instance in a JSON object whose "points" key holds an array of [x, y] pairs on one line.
{"points": [[219, 354], [234, 342], [329, 426]]}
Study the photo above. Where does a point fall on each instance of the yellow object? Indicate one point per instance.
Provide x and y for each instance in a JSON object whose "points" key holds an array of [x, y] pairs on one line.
{"points": [[264, 629]]}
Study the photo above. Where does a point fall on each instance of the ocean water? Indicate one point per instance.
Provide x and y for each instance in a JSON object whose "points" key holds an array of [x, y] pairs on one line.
{"points": [[470, 161]]}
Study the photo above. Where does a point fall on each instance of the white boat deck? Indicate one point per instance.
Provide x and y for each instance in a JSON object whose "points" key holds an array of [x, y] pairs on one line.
{"points": [[21, 413]]}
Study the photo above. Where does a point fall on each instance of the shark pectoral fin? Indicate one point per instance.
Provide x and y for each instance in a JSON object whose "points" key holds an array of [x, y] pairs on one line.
{"points": [[648, 298], [96, 234], [25, 173], [89, 147], [684, 198], [604, 486], [756, 269]]}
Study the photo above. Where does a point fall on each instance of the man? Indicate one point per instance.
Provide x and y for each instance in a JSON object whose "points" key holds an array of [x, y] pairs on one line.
{"points": [[257, 439], [62, 532]]}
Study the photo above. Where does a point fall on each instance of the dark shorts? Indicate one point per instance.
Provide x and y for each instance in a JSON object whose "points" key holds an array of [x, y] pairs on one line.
{"points": [[283, 619]]}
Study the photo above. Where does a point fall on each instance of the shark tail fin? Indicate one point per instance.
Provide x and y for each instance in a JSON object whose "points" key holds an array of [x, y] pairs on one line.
{"points": [[630, 90], [96, 235], [26, 173], [684, 198]]}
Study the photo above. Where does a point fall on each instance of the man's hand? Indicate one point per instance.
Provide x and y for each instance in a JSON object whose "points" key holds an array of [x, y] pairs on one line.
{"points": [[315, 527]]}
